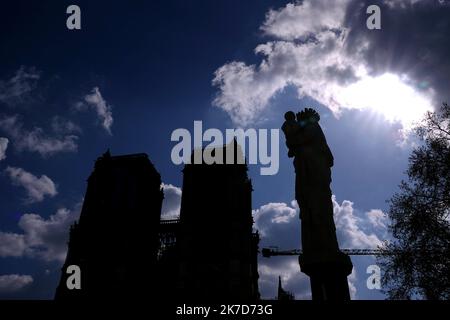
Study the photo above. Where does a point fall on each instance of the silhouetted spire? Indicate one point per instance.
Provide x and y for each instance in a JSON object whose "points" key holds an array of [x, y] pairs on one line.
{"points": [[279, 285], [107, 154], [282, 294]]}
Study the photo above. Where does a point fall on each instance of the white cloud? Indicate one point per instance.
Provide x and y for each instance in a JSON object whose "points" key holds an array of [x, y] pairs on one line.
{"points": [[350, 228], [47, 238], [3, 147], [309, 52], [12, 244], [272, 219], [377, 218], [14, 90], [103, 110], [171, 203], [37, 188], [36, 140], [304, 19], [42, 238], [352, 280], [14, 282], [315, 68]]}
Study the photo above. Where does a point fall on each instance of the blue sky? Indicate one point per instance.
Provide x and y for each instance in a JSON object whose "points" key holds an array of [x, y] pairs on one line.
{"points": [[136, 72]]}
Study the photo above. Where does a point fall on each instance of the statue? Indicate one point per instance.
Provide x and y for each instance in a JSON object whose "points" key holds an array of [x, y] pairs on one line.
{"points": [[312, 162]]}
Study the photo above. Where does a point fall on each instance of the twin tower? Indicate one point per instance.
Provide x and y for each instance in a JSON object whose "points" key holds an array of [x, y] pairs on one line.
{"points": [[124, 250]]}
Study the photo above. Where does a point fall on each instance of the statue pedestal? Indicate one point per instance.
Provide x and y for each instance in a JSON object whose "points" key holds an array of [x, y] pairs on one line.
{"points": [[328, 275]]}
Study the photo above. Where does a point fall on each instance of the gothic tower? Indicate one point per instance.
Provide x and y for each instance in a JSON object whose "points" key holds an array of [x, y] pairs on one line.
{"points": [[217, 246], [115, 242]]}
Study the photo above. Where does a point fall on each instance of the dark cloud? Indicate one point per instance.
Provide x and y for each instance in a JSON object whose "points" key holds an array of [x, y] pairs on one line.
{"points": [[332, 57], [343, 75], [14, 282], [17, 89]]}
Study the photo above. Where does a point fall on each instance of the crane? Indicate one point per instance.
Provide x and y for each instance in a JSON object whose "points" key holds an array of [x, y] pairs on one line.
{"points": [[274, 251]]}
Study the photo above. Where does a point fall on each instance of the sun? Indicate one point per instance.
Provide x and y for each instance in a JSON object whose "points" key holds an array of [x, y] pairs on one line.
{"points": [[388, 95]]}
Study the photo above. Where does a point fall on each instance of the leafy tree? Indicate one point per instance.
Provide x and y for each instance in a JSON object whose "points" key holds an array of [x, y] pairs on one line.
{"points": [[417, 263]]}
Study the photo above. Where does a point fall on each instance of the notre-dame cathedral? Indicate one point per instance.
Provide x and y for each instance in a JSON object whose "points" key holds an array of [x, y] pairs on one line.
{"points": [[121, 245]]}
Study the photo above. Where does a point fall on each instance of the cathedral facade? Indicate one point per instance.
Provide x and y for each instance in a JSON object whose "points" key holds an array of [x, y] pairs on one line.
{"points": [[121, 245]]}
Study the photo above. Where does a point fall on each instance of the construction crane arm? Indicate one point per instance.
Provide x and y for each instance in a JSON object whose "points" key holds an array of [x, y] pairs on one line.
{"points": [[269, 252]]}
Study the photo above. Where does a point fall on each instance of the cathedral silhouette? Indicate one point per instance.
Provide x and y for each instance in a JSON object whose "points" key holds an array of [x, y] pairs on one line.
{"points": [[121, 245]]}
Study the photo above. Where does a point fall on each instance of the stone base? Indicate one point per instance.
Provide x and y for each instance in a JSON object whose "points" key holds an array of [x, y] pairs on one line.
{"points": [[328, 275]]}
